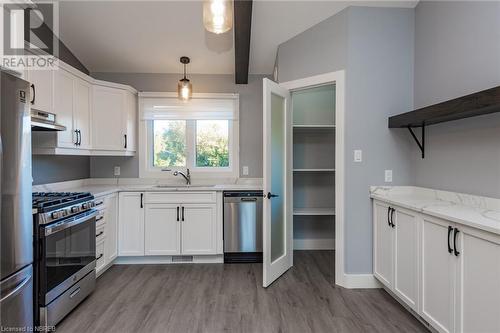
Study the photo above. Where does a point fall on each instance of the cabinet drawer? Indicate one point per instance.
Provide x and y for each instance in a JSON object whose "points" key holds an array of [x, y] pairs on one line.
{"points": [[180, 197], [99, 254], [99, 219], [100, 233], [99, 203]]}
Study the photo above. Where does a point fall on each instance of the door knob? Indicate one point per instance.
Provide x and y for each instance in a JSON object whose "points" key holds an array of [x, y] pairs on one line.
{"points": [[270, 195]]}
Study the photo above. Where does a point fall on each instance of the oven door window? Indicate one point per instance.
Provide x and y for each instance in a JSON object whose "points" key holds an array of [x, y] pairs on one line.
{"points": [[67, 251]]}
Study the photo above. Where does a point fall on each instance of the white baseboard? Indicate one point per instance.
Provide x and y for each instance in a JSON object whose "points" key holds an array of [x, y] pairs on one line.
{"points": [[359, 281], [314, 244], [164, 260]]}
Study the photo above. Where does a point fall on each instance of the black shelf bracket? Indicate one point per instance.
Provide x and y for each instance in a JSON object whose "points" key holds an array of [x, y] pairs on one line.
{"points": [[421, 145]]}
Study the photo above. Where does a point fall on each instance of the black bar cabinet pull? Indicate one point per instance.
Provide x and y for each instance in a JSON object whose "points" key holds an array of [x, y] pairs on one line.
{"points": [[100, 256], [142, 197], [392, 215], [177, 213], [450, 228], [34, 93], [79, 137], [183, 214], [125, 136], [455, 242], [76, 139], [389, 216], [99, 234]]}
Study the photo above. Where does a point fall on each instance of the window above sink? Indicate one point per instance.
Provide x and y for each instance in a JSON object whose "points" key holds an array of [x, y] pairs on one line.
{"points": [[201, 134]]}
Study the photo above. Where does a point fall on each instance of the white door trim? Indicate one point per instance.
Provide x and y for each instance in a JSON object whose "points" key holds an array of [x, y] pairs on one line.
{"points": [[338, 78]]}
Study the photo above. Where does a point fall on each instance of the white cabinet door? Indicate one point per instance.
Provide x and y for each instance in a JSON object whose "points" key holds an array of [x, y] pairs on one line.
{"points": [[162, 229], [42, 89], [406, 255], [438, 274], [63, 107], [81, 114], [131, 121], [107, 118], [111, 218], [383, 244], [131, 224], [478, 281], [199, 233]]}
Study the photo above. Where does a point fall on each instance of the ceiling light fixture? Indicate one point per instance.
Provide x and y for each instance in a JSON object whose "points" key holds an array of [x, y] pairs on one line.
{"points": [[218, 15], [184, 87]]}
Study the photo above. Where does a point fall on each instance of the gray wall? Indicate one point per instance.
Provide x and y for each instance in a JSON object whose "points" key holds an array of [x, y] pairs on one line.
{"points": [[250, 116], [52, 169], [375, 47], [457, 52]]}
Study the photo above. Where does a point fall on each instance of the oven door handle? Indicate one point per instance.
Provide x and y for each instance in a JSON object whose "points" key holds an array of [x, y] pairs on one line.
{"points": [[49, 230]]}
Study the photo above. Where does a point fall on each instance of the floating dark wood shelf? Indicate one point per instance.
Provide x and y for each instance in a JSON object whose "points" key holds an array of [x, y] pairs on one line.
{"points": [[477, 104], [483, 102]]}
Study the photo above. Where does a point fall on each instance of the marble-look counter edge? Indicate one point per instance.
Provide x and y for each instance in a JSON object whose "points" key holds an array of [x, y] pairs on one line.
{"points": [[425, 206]]}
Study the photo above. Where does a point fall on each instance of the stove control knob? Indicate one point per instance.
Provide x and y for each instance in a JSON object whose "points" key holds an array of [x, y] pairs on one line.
{"points": [[75, 209], [85, 205], [56, 215]]}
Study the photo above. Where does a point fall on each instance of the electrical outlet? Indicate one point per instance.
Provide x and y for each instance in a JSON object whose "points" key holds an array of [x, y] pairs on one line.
{"points": [[245, 170], [388, 176], [117, 170], [358, 155]]}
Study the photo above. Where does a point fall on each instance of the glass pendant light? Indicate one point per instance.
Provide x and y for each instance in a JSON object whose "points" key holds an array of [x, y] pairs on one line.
{"points": [[218, 15], [184, 87]]}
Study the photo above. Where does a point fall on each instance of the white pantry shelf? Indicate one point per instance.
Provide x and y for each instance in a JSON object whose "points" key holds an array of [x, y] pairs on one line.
{"points": [[314, 211]]}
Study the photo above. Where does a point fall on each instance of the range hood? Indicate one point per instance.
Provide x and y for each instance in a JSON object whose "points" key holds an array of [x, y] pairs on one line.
{"points": [[44, 121]]}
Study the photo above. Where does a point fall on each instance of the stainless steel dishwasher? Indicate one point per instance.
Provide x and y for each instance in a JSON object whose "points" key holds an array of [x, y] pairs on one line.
{"points": [[242, 226]]}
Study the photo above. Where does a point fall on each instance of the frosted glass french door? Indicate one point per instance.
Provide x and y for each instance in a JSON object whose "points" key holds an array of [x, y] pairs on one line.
{"points": [[277, 208]]}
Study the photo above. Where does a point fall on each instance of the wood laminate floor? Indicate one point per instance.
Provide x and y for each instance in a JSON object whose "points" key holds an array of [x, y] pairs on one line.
{"points": [[230, 298]]}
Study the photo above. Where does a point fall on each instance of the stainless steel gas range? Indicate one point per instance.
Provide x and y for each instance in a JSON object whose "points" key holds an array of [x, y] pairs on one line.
{"points": [[65, 253]]}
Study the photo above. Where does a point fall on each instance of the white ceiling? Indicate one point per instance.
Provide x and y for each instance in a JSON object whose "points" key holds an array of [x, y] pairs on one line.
{"points": [[151, 36]]}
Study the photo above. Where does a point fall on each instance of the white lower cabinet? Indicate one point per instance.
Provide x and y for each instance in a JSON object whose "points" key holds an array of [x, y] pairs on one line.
{"points": [[477, 289], [438, 274], [448, 273], [396, 252], [198, 229], [106, 231], [406, 256], [162, 229], [383, 243], [131, 224], [151, 224]]}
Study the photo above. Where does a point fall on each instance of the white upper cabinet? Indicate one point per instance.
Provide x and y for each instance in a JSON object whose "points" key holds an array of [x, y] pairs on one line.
{"points": [[100, 117], [108, 116], [81, 115], [63, 107], [131, 121], [42, 87]]}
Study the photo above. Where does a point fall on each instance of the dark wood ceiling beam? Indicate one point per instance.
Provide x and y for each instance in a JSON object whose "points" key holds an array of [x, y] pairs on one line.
{"points": [[242, 30]]}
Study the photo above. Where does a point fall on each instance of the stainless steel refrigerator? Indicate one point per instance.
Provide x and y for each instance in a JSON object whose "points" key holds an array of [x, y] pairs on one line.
{"points": [[16, 243]]}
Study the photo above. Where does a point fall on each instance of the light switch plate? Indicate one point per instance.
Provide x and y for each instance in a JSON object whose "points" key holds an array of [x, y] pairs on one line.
{"points": [[245, 170], [358, 155], [388, 176], [117, 171]]}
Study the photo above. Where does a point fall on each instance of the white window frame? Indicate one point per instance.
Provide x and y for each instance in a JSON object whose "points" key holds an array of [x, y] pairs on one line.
{"points": [[146, 169]]}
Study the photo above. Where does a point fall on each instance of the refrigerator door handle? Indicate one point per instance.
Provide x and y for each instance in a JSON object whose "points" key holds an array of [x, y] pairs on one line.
{"points": [[16, 289]]}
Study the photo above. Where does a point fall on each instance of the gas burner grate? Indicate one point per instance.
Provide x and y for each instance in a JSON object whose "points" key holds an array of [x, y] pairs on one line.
{"points": [[45, 201]]}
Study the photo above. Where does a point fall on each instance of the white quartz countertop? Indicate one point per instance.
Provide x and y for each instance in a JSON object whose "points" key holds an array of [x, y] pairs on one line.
{"points": [[99, 190], [474, 211]]}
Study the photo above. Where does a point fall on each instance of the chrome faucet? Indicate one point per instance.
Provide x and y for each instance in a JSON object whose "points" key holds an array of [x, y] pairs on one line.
{"points": [[187, 176]]}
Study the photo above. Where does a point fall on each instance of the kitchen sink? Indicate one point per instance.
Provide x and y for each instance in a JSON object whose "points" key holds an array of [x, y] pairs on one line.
{"points": [[182, 186]]}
